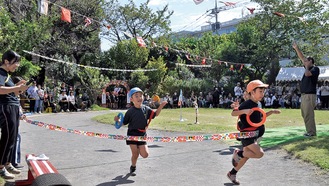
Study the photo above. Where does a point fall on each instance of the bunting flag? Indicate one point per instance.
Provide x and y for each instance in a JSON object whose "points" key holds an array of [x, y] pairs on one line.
{"points": [[87, 21], [241, 67], [228, 3], [198, 1], [251, 10], [66, 15], [43, 7], [85, 66], [140, 41], [279, 14], [203, 62], [127, 35], [231, 67]]}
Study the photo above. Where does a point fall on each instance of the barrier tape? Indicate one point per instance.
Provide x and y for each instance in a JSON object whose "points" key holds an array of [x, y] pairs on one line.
{"points": [[212, 137]]}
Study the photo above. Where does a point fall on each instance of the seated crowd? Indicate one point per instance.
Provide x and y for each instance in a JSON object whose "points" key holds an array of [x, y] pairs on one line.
{"points": [[52, 101]]}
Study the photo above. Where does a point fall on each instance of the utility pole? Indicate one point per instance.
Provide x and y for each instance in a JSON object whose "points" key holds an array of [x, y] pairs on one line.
{"points": [[215, 11]]}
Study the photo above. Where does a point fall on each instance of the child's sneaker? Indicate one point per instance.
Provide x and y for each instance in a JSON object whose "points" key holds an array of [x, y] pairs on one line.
{"points": [[5, 174], [11, 169], [233, 179], [235, 158], [132, 169]]}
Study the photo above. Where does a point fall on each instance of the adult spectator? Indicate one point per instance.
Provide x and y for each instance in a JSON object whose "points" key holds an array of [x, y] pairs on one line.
{"points": [[71, 102], [121, 99], [50, 103], [308, 91], [9, 115], [63, 88], [175, 100], [238, 92], [215, 96], [209, 100], [295, 101], [39, 102], [32, 93], [63, 102], [86, 100]]}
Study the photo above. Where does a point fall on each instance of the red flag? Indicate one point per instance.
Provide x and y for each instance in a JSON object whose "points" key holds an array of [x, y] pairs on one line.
{"points": [[107, 26], [241, 67], [197, 1], [231, 67], [251, 10], [228, 3], [87, 21], [279, 14], [66, 15], [203, 61], [140, 41]]}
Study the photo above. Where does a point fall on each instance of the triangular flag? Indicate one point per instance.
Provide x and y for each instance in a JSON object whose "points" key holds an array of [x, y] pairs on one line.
{"points": [[228, 3], [107, 26], [87, 21], [43, 7], [66, 15], [279, 14], [203, 62], [127, 35], [140, 41], [241, 67], [197, 1], [251, 10]]}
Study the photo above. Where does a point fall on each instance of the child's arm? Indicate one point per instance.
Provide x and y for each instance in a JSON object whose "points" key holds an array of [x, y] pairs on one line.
{"points": [[273, 111], [240, 112], [157, 112]]}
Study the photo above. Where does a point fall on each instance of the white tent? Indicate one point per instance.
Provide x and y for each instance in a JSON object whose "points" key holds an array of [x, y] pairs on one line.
{"points": [[296, 73]]}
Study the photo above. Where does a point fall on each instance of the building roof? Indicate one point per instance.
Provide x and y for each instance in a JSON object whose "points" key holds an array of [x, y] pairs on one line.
{"points": [[296, 73]]}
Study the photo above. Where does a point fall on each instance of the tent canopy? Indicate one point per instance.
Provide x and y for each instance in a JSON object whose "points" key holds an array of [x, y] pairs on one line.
{"points": [[296, 73]]}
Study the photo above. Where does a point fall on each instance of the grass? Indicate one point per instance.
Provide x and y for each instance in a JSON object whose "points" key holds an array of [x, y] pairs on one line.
{"points": [[282, 131]]}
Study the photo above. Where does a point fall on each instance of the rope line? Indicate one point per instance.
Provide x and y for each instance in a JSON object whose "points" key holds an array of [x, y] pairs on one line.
{"points": [[85, 66]]}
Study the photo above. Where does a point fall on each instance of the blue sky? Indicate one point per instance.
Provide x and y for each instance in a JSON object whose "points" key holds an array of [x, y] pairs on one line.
{"points": [[189, 16]]}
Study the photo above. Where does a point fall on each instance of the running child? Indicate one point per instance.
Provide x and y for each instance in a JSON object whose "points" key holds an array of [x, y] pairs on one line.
{"points": [[138, 117], [251, 148]]}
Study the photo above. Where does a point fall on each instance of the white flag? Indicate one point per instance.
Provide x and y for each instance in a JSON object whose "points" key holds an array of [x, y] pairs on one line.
{"points": [[197, 1], [43, 7]]}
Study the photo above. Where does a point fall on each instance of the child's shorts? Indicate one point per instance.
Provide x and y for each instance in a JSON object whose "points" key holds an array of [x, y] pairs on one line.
{"points": [[138, 143]]}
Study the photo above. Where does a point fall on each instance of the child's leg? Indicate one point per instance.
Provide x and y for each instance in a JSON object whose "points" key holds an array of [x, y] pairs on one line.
{"points": [[143, 151], [134, 154], [253, 151]]}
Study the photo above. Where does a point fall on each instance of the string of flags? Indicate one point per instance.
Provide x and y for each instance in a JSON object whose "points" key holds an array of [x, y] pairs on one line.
{"points": [[85, 66], [66, 13]]}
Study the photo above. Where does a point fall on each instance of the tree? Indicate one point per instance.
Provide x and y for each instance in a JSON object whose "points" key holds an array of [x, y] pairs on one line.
{"points": [[136, 21], [126, 55], [281, 22]]}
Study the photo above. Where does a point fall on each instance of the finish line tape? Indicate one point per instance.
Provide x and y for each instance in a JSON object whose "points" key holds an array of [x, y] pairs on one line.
{"points": [[212, 137]]}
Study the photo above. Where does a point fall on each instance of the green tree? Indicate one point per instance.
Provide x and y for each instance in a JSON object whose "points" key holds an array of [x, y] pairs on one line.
{"points": [[126, 55], [136, 21]]}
